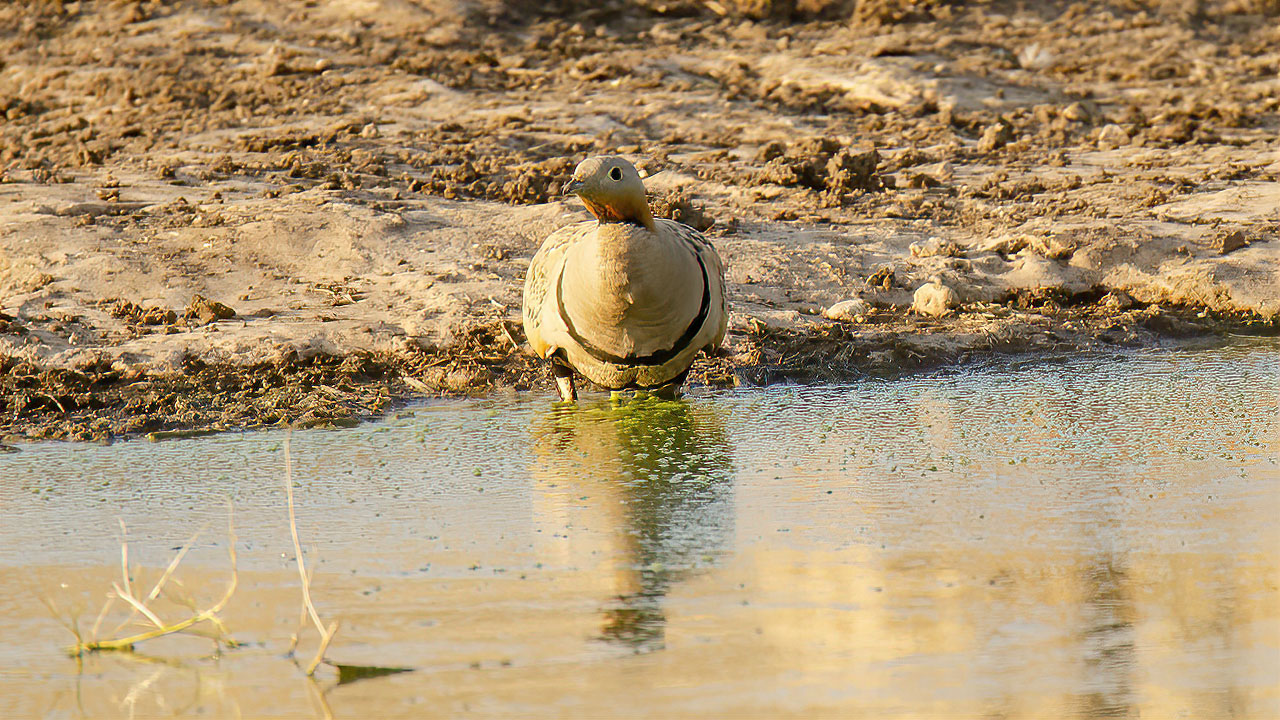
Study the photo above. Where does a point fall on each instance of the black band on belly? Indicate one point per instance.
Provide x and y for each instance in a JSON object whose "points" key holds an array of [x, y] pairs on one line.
{"points": [[660, 357]]}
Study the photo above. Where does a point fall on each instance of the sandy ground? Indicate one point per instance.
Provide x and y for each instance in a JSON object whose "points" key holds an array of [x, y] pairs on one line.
{"points": [[233, 214]]}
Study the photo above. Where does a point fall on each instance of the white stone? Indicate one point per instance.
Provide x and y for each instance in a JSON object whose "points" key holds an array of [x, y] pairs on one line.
{"points": [[854, 310], [934, 299], [1112, 136], [1035, 57]]}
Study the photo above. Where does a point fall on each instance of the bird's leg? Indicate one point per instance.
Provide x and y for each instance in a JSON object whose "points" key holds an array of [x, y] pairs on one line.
{"points": [[671, 390], [564, 382]]}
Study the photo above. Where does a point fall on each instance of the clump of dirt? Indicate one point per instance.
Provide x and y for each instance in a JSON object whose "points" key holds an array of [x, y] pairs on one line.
{"points": [[854, 170], [1227, 240], [202, 311], [678, 205], [132, 313], [996, 136], [823, 164], [500, 176]]}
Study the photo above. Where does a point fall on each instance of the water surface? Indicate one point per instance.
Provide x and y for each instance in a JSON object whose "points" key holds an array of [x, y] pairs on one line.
{"points": [[1087, 537]]}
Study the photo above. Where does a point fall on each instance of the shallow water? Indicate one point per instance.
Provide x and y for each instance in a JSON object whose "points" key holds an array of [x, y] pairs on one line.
{"points": [[1091, 537]]}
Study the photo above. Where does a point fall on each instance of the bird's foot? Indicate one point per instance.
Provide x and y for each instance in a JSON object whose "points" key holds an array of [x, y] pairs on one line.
{"points": [[670, 391]]}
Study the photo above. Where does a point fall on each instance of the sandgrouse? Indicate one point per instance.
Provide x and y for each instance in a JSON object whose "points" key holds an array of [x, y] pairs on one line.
{"points": [[626, 300]]}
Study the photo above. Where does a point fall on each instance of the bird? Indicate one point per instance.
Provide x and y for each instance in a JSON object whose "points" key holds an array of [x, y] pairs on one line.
{"points": [[626, 300]]}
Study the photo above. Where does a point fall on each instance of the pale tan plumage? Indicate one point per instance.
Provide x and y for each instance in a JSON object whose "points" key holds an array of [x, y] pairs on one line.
{"points": [[625, 300]]}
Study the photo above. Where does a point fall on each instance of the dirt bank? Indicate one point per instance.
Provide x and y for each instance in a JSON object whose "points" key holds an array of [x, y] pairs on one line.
{"points": [[353, 190]]}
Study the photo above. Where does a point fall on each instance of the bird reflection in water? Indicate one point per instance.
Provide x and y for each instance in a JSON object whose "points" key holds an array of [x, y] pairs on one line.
{"points": [[641, 493]]}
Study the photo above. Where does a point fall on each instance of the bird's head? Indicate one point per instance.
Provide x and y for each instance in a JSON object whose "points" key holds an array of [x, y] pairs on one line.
{"points": [[612, 190]]}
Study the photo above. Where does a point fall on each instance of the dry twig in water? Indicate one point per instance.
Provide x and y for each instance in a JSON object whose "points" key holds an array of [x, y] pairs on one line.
{"points": [[142, 606], [124, 590], [326, 635]]}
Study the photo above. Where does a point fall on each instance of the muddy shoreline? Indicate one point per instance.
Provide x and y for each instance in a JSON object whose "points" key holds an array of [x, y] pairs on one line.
{"points": [[219, 215], [101, 403]]}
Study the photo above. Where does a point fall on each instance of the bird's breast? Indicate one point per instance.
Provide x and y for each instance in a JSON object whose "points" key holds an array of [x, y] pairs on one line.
{"points": [[631, 294]]}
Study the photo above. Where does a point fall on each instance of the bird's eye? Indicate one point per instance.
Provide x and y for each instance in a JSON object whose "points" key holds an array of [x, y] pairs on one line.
{"points": [[616, 173]]}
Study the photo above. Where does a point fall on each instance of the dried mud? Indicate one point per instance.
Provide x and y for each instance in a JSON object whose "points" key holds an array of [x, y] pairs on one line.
{"points": [[232, 214]]}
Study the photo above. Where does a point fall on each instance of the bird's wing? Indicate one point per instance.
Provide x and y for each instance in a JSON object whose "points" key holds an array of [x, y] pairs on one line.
{"points": [[544, 271], [718, 313]]}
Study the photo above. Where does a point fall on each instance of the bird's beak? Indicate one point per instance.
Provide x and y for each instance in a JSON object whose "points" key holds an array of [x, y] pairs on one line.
{"points": [[572, 187]]}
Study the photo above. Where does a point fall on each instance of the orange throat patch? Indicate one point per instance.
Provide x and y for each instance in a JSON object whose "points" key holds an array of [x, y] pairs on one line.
{"points": [[605, 213]]}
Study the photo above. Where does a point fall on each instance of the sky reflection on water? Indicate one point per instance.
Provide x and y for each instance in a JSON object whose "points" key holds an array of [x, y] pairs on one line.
{"points": [[1094, 537]]}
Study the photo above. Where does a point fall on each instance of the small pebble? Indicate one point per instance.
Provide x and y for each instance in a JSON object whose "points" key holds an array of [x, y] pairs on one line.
{"points": [[1076, 112], [1035, 57], [1112, 136]]}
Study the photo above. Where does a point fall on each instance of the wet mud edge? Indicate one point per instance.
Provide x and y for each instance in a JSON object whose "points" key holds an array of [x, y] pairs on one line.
{"points": [[103, 401]]}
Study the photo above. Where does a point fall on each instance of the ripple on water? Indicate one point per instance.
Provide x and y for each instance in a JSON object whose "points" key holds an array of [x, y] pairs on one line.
{"points": [[1084, 537]]}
